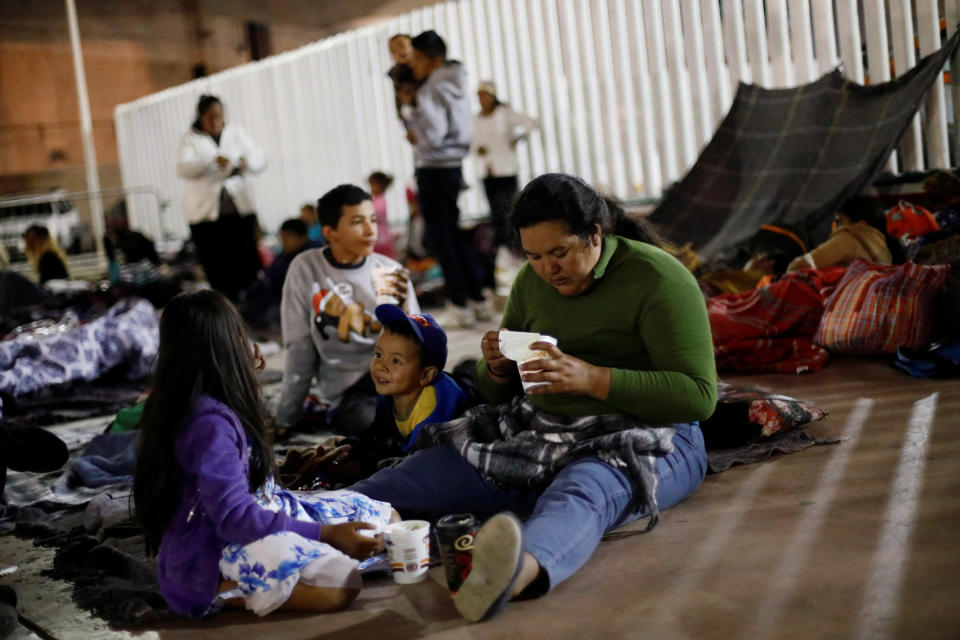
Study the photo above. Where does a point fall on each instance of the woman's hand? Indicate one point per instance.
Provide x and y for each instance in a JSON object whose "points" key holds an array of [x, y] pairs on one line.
{"points": [[498, 365], [565, 374], [346, 538]]}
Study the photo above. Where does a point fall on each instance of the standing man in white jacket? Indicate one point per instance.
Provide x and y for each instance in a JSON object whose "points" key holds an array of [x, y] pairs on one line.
{"points": [[214, 160]]}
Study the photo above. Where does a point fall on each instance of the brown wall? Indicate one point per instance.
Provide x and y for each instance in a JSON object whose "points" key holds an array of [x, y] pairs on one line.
{"points": [[131, 48]]}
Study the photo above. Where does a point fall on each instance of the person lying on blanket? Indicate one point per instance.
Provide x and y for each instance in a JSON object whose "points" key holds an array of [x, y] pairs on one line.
{"points": [[204, 488], [609, 435], [854, 236]]}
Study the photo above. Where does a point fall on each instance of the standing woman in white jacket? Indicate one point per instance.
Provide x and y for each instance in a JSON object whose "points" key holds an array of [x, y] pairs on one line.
{"points": [[496, 133], [214, 160]]}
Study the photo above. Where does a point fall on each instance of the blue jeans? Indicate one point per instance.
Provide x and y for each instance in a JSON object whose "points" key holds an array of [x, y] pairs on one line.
{"points": [[585, 500]]}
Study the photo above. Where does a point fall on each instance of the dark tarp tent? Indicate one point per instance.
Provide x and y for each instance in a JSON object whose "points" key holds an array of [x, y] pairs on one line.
{"points": [[792, 156]]}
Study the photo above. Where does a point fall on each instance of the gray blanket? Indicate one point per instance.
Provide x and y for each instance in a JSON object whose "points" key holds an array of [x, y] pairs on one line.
{"points": [[516, 446]]}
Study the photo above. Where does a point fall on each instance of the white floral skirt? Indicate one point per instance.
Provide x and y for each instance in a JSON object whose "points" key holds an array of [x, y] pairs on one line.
{"points": [[266, 570]]}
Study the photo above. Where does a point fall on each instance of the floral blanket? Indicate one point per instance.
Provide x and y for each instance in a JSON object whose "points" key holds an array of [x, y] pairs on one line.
{"points": [[127, 336]]}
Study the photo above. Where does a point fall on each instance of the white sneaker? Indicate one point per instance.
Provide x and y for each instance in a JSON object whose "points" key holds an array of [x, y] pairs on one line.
{"points": [[454, 317], [481, 311], [495, 564]]}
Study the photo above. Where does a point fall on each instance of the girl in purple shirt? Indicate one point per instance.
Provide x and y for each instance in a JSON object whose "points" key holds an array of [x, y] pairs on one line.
{"points": [[222, 531]]}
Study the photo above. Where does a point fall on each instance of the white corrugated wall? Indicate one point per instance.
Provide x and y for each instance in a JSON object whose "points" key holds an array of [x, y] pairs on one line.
{"points": [[627, 92]]}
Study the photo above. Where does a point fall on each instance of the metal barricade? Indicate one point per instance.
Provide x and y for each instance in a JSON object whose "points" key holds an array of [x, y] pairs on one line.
{"points": [[58, 213]]}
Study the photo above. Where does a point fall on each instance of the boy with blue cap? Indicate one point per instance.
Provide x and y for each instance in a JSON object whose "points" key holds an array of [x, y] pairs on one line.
{"points": [[407, 371]]}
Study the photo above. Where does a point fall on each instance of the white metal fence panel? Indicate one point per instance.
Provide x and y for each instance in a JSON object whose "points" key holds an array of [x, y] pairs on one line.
{"points": [[627, 92]]}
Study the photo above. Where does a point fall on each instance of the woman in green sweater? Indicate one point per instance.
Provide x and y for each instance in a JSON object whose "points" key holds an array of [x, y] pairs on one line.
{"points": [[610, 433]]}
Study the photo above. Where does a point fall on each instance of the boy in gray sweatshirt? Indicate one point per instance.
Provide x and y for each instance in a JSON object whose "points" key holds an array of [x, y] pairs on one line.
{"points": [[326, 314]]}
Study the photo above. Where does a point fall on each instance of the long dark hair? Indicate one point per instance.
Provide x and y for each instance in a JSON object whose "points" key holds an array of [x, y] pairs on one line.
{"points": [[206, 101], [204, 349], [558, 196]]}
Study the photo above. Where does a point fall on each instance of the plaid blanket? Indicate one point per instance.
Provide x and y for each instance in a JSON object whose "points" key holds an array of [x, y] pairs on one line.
{"points": [[791, 156], [516, 446], [770, 329]]}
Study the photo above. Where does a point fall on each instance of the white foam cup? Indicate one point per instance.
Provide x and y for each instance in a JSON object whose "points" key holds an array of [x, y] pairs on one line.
{"points": [[408, 543], [515, 345], [383, 284]]}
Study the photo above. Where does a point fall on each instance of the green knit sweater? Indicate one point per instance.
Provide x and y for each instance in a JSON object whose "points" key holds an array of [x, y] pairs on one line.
{"points": [[643, 316]]}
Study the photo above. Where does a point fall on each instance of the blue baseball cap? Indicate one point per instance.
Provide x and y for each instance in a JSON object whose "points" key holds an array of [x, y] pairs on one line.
{"points": [[430, 334]]}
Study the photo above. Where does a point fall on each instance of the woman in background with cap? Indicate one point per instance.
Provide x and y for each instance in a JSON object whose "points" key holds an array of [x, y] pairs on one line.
{"points": [[496, 133]]}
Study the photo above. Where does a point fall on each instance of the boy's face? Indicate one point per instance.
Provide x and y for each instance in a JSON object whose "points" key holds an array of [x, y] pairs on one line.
{"points": [[401, 49], [291, 242], [355, 234], [395, 367]]}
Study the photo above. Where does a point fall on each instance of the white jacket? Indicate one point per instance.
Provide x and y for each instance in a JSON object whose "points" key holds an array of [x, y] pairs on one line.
{"points": [[497, 134], [197, 165]]}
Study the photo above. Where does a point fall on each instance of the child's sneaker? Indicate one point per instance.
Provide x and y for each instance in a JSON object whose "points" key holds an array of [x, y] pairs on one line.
{"points": [[497, 559]]}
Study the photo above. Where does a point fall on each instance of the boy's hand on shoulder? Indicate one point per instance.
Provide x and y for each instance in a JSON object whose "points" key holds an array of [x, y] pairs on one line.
{"points": [[398, 283], [347, 538]]}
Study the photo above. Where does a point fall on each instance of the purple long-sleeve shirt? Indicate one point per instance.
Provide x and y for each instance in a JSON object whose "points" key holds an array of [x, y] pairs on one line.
{"points": [[216, 509]]}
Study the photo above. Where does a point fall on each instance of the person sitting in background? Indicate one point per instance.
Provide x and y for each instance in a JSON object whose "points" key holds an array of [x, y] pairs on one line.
{"points": [[379, 183], [122, 244], [260, 302], [943, 190], [308, 214], [47, 257], [854, 236], [943, 193]]}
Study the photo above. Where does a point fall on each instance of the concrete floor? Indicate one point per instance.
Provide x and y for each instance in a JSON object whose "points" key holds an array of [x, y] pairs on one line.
{"points": [[855, 540]]}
